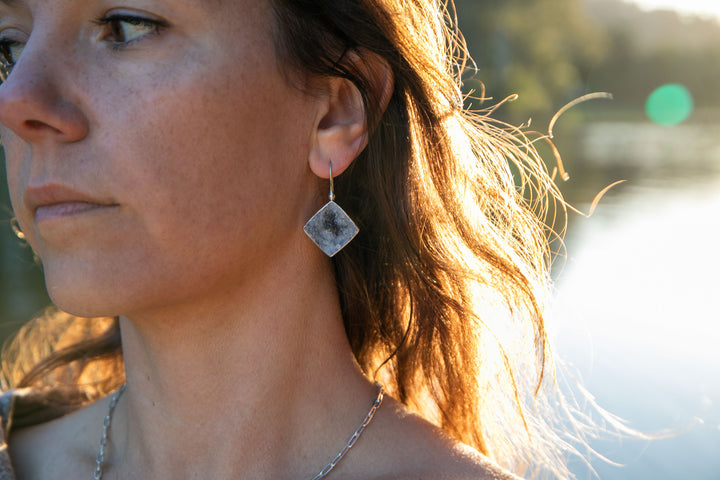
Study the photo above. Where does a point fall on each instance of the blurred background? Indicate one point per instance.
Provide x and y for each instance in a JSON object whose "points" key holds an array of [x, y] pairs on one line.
{"points": [[636, 313]]}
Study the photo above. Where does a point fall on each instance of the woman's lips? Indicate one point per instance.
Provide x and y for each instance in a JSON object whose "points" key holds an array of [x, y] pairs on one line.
{"points": [[54, 200], [66, 209]]}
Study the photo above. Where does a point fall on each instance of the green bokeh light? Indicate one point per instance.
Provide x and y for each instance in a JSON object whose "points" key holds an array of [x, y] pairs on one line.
{"points": [[670, 104]]}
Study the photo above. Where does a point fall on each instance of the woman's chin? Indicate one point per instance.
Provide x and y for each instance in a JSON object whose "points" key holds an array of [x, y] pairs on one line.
{"points": [[79, 308], [84, 300]]}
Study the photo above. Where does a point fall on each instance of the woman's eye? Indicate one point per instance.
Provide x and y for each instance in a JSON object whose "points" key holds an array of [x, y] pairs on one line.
{"points": [[10, 51], [121, 30]]}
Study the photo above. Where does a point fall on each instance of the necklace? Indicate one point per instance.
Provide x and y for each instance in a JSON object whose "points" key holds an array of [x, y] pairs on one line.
{"points": [[100, 459]]}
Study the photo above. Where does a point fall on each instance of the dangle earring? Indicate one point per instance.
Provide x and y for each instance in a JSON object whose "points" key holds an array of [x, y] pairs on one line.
{"points": [[331, 228]]}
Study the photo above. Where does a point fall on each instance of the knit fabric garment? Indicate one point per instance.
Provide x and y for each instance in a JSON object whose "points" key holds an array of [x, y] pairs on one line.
{"points": [[7, 403], [22, 408]]}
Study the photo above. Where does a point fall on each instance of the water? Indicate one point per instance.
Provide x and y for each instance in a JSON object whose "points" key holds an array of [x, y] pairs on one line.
{"points": [[637, 307]]}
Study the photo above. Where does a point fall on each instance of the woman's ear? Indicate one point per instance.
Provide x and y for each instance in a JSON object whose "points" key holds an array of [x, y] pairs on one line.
{"points": [[341, 129]]}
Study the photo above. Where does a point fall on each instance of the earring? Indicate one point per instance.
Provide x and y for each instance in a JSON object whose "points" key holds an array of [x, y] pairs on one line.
{"points": [[16, 229], [331, 228]]}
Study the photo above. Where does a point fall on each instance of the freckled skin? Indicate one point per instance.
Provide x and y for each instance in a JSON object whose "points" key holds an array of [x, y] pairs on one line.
{"points": [[183, 131]]}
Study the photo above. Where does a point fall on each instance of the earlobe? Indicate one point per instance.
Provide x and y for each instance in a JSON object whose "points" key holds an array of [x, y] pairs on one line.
{"points": [[341, 131]]}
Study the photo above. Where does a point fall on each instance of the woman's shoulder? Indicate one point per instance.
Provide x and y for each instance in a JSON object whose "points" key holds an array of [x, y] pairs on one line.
{"points": [[39, 435], [456, 466], [407, 447]]}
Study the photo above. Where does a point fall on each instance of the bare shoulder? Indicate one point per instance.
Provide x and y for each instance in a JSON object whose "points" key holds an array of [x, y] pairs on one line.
{"points": [[461, 463], [410, 448], [60, 448]]}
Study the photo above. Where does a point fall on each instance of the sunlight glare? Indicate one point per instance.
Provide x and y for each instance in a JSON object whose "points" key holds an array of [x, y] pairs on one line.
{"points": [[704, 8]]}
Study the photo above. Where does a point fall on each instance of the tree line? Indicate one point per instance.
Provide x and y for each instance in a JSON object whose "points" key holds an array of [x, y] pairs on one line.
{"points": [[552, 51]]}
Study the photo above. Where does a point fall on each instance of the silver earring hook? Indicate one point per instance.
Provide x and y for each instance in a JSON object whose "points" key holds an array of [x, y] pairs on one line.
{"points": [[332, 189]]}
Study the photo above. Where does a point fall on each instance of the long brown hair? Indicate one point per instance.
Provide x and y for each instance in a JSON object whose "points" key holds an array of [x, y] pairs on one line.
{"points": [[443, 290]]}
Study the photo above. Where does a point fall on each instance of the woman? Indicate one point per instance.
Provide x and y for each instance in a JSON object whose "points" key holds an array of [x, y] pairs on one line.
{"points": [[163, 158]]}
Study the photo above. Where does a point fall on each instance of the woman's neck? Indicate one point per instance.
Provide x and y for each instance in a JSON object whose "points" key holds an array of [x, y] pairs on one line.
{"points": [[257, 382]]}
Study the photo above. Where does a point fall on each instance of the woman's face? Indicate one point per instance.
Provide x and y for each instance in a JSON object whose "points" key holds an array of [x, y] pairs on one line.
{"points": [[154, 151]]}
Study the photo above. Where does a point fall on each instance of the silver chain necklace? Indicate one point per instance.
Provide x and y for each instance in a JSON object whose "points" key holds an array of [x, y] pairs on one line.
{"points": [[100, 459]]}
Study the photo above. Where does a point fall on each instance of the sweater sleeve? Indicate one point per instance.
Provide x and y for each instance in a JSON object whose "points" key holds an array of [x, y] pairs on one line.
{"points": [[7, 405]]}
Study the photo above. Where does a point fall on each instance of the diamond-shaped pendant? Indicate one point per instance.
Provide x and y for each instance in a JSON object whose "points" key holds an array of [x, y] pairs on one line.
{"points": [[331, 228]]}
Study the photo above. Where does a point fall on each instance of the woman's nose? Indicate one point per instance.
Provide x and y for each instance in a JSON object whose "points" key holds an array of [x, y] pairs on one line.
{"points": [[35, 102]]}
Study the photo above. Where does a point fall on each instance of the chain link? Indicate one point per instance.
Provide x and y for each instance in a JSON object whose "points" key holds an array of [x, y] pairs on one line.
{"points": [[100, 460], [107, 421], [366, 421]]}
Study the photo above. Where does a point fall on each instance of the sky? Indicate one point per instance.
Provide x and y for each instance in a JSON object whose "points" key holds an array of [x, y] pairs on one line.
{"points": [[702, 7]]}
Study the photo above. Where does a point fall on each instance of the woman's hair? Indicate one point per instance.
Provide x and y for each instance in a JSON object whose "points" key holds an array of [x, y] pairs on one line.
{"points": [[443, 290]]}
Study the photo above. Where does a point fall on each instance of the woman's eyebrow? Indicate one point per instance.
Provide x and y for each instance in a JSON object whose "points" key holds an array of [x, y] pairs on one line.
{"points": [[10, 4]]}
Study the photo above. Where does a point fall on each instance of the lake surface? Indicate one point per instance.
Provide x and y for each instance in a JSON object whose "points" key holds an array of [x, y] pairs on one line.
{"points": [[637, 306]]}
